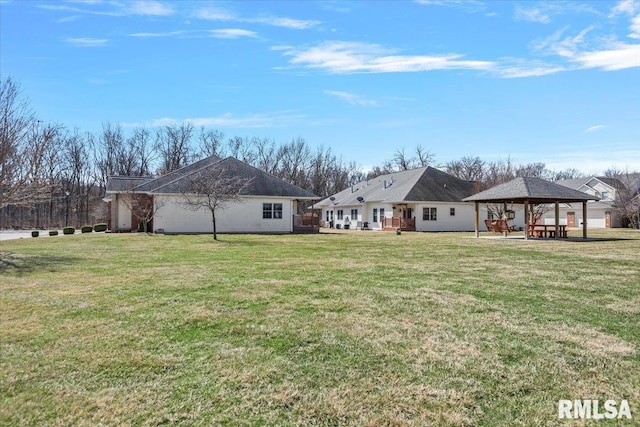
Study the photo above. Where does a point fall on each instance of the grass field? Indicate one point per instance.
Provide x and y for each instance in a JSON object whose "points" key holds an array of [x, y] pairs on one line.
{"points": [[364, 328]]}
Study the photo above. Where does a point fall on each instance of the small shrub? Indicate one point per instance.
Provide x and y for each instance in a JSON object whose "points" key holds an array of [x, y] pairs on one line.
{"points": [[100, 227], [86, 228], [68, 230], [35, 233], [53, 232]]}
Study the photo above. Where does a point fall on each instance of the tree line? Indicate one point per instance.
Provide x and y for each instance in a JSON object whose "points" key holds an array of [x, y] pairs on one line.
{"points": [[52, 176]]}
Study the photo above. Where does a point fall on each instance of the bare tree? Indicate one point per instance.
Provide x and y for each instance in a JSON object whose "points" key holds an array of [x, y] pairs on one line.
{"points": [[627, 199], [144, 207], [213, 189], [424, 157], [210, 143], [467, 168], [241, 149], [268, 157], [173, 146], [16, 122], [295, 157]]}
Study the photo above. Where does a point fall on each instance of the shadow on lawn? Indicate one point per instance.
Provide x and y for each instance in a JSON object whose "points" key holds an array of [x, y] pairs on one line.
{"points": [[23, 264]]}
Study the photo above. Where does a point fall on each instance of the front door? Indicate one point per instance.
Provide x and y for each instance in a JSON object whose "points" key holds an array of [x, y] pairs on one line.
{"points": [[607, 219], [571, 219]]}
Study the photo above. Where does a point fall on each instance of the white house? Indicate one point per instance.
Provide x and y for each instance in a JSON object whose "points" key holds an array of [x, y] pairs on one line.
{"points": [[423, 199], [601, 214], [268, 204]]}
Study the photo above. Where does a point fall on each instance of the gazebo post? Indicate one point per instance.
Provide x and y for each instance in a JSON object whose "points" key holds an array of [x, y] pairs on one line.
{"points": [[584, 219], [505, 232], [557, 214], [477, 219], [526, 220]]}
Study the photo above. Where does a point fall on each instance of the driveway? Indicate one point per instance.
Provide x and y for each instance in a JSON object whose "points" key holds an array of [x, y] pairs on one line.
{"points": [[21, 234]]}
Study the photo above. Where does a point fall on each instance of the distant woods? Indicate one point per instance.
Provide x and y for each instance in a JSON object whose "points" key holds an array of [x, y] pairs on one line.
{"points": [[52, 176]]}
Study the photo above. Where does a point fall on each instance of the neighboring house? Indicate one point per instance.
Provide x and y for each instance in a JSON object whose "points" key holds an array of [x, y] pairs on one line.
{"points": [[268, 204], [601, 214], [423, 199]]}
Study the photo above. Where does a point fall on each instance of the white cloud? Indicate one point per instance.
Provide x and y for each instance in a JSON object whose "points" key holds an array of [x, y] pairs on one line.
{"points": [[228, 120], [217, 14], [635, 27], [466, 5], [557, 45], [351, 57], [351, 98], [520, 69], [87, 42], [618, 57], [629, 7], [294, 24], [594, 128], [114, 8], [232, 33], [167, 34], [532, 15], [608, 55], [214, 14], [149, 8]]}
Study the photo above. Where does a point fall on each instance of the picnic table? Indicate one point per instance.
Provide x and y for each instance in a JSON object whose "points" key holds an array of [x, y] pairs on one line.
{"points": [[547, 230]]}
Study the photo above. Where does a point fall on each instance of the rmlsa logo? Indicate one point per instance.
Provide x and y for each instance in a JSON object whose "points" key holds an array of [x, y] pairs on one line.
{"points": [[591, 409]]}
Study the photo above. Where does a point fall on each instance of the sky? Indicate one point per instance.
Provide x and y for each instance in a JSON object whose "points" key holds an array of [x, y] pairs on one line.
{"points": [[556, 82]]}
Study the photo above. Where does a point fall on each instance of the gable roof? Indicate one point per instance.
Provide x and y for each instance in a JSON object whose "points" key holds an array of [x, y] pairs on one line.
{"points": [[414, 185], [534, 190], [261, 183], [577, 183]]}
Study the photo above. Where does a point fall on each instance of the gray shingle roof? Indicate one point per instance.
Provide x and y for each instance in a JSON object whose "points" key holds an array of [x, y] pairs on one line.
{"points": [[126, 183], [261, 184], [535, 190], [415, 185]]}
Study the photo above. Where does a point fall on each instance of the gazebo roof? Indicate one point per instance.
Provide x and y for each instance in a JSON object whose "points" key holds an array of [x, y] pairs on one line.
{"points": [[531, 190]]}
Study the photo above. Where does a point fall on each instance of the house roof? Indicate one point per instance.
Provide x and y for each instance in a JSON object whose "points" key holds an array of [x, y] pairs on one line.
{"points": [[576, 183], [533, 190], [125, 183], [421, 184], [261, 183]]}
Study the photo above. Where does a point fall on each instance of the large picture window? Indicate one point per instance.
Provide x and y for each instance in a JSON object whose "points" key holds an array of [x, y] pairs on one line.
{"points": [[272, 210], [429, 214]]}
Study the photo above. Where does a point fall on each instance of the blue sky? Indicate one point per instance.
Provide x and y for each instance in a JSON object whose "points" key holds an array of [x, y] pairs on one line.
{"points": [[554, 82]]}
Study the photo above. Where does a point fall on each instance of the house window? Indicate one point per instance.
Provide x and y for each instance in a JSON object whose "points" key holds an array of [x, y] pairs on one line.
{"points": [[354, 214], [272, 210], [604, 195], [277, 210], [381, 214], [375, 215], [340, 214], [327, 215], [490, 215], [452, 211], [429, 214]]}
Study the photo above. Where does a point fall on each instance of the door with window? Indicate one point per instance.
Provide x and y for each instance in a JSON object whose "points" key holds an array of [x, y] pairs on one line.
{"points": [[571, 219], [607, 219]]}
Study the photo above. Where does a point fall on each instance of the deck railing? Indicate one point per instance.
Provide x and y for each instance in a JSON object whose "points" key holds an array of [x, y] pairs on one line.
{"points": [[404, 224]]}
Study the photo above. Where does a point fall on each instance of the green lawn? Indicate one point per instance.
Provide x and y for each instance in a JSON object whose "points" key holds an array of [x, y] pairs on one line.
{"points": [[360, 328]]}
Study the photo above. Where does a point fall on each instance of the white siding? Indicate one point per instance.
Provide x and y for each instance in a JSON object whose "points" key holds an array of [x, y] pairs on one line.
{"points": [[463, 220], [595, 216], [243, 217]]}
